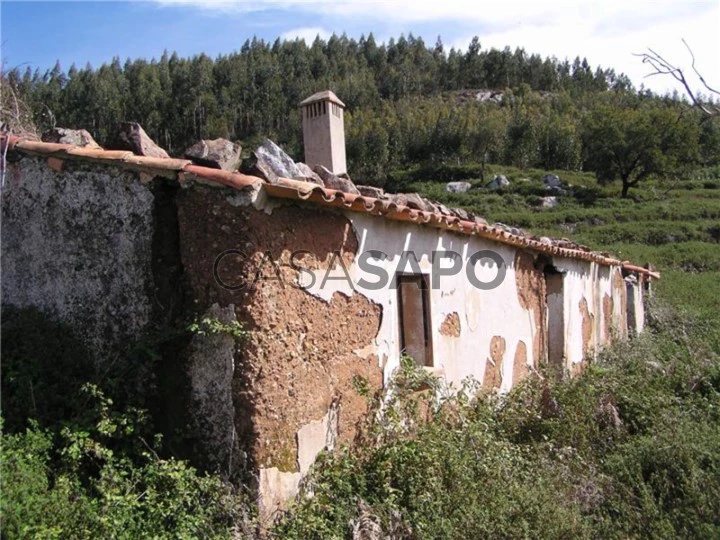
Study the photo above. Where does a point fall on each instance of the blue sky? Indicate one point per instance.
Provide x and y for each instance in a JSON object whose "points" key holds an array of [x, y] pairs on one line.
{"points": [[607, 32]]}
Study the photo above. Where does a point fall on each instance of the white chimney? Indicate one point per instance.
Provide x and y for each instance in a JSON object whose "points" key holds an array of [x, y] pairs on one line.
{"points": [[324, 131]]}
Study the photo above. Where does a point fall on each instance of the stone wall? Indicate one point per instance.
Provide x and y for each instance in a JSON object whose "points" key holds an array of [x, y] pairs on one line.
{"points": [[77, 244]]}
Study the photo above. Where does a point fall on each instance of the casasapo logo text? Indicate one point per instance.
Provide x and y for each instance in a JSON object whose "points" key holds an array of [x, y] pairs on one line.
{"points": [[375, 270]]}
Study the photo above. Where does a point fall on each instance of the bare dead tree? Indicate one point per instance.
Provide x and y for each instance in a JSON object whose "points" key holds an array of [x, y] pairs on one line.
{"points": [[15, 115], [662, 67]]}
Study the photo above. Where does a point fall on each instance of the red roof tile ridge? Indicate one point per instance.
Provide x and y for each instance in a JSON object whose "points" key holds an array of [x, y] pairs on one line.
{"points": [[299, 190], [306, 191], [167, 167]]}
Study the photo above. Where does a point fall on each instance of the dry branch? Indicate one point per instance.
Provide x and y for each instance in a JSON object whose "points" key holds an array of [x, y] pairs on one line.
{"points": [[662, 67]]}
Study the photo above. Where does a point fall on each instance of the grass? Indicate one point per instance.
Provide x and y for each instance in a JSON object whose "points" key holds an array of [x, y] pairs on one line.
{"points": [[675, 225]]}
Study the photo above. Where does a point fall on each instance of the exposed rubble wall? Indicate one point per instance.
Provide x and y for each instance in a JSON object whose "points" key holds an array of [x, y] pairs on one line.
{"points": [[292, 387]]}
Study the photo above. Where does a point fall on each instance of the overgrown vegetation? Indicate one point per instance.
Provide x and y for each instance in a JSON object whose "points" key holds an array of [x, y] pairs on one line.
{"points": [[628, 449], [80, 456], [104, 480]]}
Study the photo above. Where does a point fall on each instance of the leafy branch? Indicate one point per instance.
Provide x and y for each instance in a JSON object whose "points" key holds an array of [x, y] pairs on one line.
{"points": [[209, 326]]}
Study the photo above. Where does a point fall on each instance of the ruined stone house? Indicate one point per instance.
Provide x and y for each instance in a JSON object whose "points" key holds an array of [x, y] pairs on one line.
{"points": [[113, 242]]}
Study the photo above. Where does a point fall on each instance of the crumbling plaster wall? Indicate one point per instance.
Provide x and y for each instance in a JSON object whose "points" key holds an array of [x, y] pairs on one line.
{"points": [[482, 314], [77, 241], [307, 344], [594, 308], [77, 244], [515, 311]]}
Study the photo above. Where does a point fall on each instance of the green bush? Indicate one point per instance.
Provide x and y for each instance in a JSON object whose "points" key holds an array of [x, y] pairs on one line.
{"points": [[85, 484], [628, 449]]}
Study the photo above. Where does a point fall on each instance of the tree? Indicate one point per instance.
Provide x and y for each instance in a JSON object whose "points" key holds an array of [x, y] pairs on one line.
{"points": [[632, 143], [485, 135]]}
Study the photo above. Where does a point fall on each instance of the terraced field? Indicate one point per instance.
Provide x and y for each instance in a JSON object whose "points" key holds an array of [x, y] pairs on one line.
{"points": [[675, 225]]}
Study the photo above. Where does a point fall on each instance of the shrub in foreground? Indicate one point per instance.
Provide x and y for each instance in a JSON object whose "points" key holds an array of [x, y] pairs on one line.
{"points": [[83, 484], [628, 449]]}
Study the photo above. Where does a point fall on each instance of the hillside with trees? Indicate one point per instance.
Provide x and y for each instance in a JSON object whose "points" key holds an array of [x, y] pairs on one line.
{"points": [[407, 103]]}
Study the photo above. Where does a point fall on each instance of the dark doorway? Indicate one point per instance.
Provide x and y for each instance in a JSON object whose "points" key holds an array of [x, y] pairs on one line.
{"points": [[414, 312], [555, 301]]}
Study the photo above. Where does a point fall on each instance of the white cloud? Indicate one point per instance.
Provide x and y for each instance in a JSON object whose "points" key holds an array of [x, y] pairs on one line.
{"points": [[308, 34], [611, 43], [606, 32]]}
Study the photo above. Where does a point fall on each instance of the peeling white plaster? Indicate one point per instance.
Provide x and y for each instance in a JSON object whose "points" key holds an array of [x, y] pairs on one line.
{"points": [[483, 313], [315, 437], [275, 489]]}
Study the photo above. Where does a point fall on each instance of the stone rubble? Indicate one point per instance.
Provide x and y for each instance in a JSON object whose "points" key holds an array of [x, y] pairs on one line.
{"points": [[132, 137], [76, 137], [217, 154], [308, 175], [270, 162], [333, 181]]}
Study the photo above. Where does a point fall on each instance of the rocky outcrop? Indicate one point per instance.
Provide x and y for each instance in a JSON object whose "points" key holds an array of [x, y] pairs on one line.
{"points": [[76, 137], [500, 181], [457, 187], [217, 154], [133, 137], [492, 96]]}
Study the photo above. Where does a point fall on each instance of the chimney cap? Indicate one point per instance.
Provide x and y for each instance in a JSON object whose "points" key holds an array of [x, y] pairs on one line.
{"points": [[325, 95]]}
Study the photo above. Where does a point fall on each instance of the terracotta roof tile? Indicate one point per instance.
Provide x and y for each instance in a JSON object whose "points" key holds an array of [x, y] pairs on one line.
{"points": [[286, 188]]}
